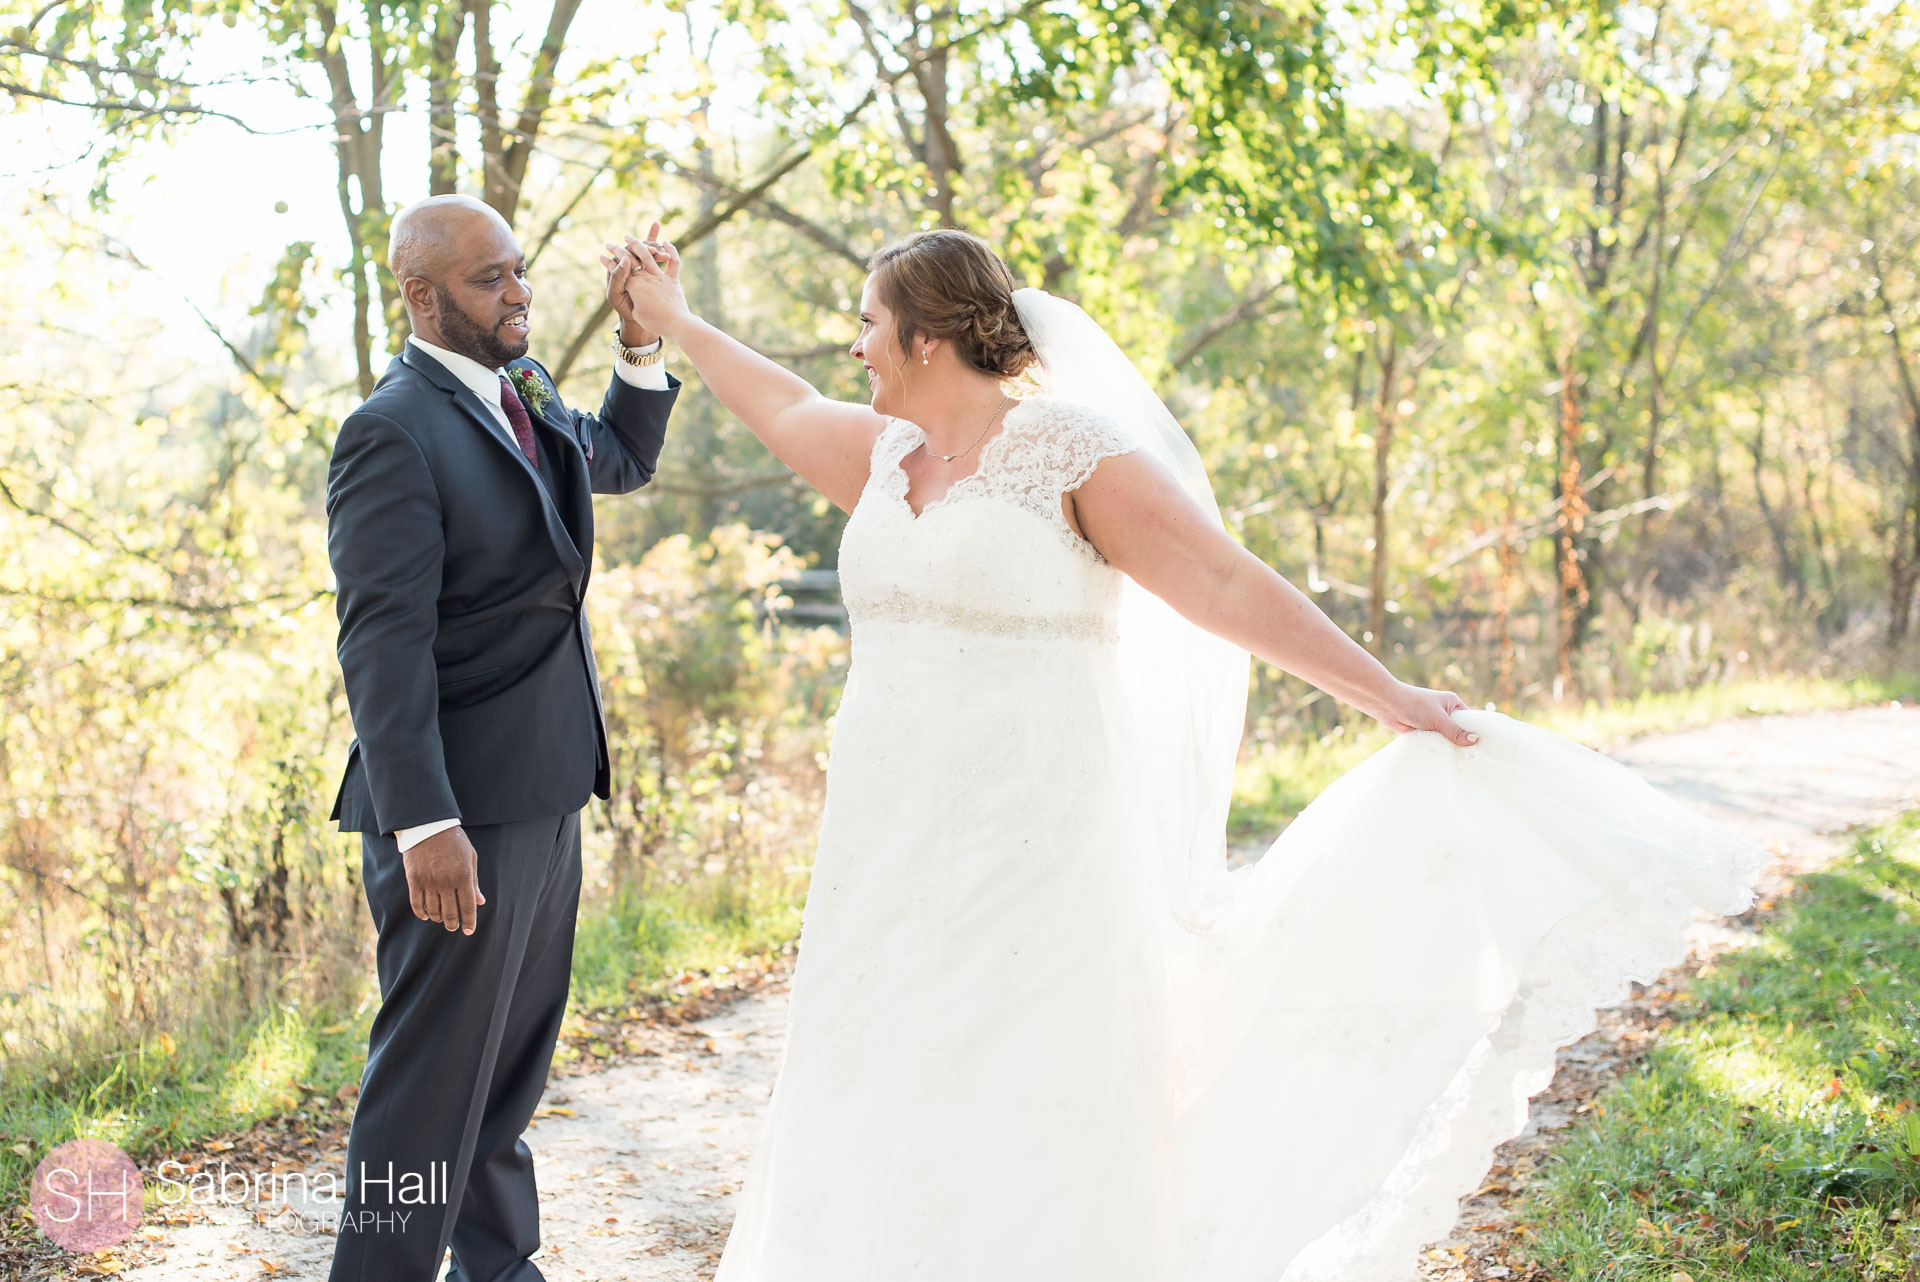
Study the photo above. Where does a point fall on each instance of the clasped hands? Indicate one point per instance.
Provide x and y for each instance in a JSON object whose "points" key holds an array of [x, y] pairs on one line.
{"points": [[643, 286]]}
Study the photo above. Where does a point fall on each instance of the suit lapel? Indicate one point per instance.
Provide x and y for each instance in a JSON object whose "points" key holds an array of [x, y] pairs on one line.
{"points": [[569, 462], [483, 417]]}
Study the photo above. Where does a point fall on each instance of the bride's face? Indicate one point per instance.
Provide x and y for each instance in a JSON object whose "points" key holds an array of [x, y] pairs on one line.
{"points": [[878, 348]]}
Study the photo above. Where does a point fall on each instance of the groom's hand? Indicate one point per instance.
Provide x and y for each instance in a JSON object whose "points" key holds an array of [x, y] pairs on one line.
{"points": [[443, 880], [633, 332]]}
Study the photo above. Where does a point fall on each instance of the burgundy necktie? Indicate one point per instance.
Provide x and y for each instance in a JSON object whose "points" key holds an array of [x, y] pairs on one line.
{"points": [[517, 415]]}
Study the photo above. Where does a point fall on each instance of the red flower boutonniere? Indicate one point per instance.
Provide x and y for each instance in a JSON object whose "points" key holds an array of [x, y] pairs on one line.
{"points": [[531, 389]]}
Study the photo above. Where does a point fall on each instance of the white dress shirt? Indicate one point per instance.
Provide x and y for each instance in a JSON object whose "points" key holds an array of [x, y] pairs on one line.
{"points": [[485, 383]]}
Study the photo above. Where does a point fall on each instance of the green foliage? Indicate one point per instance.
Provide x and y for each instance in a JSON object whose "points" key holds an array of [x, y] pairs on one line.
{"points": [[1772, 1134], [718, 721]]}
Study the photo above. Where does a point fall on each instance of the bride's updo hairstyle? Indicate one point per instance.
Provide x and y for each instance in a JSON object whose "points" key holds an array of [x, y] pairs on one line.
{"points": [[950, 285]]}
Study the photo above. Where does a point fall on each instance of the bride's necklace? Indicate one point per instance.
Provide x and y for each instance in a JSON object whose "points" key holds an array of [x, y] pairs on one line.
{"points": [[948, 458]]}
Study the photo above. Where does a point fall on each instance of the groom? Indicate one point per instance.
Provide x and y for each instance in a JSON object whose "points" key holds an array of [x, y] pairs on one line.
{"points": [[460, 527]]}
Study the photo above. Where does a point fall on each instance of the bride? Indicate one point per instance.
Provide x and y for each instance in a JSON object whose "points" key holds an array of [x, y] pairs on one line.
{"points": [[1040, 1032]]}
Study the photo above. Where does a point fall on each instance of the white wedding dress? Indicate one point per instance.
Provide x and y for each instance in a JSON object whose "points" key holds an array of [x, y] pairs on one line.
{"points": [[1014, 1057]]}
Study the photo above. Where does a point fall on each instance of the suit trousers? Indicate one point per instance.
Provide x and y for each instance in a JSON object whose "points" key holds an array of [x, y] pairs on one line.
{"points": [[456, 1063]]}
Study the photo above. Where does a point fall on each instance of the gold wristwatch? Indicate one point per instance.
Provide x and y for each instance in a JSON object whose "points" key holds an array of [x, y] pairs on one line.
{"points": [[637, 359]]}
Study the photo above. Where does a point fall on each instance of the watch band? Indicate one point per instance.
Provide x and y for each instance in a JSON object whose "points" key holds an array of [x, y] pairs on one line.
{"points": [[638, 360]]}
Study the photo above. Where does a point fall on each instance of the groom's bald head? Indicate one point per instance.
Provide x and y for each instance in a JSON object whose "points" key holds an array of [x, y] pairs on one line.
{"points": [[429, 237], [463, 276]]}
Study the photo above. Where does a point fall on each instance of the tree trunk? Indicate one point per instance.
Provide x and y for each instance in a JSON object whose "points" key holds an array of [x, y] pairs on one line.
{"points": [[1650, 460], [357, 141], [1384, 422], [1823, 560], [486, 95], [1903, 561], [1569, 519], [1903, 574], [512, 169], [1782, 548], [504, 162], [1507, 685], [941, 160], [443, 91]]}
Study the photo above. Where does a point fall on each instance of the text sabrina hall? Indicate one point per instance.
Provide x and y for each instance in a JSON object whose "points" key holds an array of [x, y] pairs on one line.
{"points": [[227, 1187]]}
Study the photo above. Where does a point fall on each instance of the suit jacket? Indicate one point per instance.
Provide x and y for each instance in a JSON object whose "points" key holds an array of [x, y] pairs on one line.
{"points": [[462, 579]]}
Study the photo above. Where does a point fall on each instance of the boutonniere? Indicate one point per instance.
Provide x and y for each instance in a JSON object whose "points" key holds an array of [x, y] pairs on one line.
{"points": [[531, 389]]}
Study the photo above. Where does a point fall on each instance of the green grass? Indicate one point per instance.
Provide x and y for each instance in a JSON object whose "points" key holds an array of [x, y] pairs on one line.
{"points": [[636, 944], [1772, 1134], [168, 1092]]}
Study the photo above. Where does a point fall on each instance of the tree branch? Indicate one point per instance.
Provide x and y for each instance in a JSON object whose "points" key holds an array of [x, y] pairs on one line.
{"points": [[1245, 308], [709, 225], [768, 207]]}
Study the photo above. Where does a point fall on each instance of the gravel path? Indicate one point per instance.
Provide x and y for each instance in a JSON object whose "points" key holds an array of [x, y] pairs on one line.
{"points": [[638, 1163]]}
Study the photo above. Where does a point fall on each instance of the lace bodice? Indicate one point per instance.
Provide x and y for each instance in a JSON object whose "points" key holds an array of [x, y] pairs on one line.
{"points": [[994, 554]]}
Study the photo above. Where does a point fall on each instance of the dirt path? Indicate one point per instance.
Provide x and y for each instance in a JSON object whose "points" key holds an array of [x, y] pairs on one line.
{"points": [[638, 1164]]}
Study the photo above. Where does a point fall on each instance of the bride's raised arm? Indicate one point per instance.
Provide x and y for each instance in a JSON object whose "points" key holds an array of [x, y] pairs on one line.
{"points": [[828, 443], [1137, 515]]}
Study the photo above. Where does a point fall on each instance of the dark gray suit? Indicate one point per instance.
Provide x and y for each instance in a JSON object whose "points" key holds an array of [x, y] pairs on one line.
{"points": [[462, 573]]}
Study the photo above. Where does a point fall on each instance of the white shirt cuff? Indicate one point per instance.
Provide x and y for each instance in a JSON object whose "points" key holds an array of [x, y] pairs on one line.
{"points": [[651, 377], [408, 838]]}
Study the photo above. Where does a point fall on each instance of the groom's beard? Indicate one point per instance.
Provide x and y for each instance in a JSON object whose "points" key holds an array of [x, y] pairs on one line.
{"points": [[469, 337]]}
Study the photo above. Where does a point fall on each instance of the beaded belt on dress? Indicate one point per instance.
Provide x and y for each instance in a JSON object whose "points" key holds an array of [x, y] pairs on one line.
{"points": [[902, 607]]}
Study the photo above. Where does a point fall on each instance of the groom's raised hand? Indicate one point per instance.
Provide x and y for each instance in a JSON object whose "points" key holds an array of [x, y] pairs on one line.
{"points": [[443, 880]]}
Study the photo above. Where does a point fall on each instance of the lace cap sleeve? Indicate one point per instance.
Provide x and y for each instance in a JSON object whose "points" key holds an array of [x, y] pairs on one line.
{"points": [[1071, 439]]}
